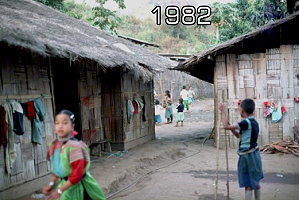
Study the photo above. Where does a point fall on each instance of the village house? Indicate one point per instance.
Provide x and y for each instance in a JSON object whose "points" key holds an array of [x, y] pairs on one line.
{"points": [[64, 63], [262, 65]]}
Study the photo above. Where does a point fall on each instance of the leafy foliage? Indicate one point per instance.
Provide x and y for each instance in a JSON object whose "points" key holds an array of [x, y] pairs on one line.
{"points": [[57, 4], [229, 20], [243, 16], [98, 16], [105, 18]]}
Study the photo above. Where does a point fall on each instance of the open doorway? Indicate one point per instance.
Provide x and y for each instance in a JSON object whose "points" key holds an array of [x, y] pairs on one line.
{"points": [[65, 84]]}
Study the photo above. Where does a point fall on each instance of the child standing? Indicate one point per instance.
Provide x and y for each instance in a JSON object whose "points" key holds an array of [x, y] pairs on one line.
{"points": [[249, 165], [168, 107], [70, 162], [184, 94], [158, 112], [180, 115]]}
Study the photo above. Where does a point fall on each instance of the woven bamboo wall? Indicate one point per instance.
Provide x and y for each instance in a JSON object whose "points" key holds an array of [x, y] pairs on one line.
{"points": [[270, 76], [23, 78], [112, 114], [117, 87], [139, 130], [90, 102]]}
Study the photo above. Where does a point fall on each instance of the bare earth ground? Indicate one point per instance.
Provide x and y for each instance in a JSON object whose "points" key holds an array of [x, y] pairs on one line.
{"points": [[177, 166]]}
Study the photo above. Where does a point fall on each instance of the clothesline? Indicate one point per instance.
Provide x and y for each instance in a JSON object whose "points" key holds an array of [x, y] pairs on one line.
{"points": [[46, 96]]}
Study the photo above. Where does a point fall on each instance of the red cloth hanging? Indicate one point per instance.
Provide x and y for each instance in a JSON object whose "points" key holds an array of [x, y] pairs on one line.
{"points": [[283, 109], [135, 105], [30, 110]]}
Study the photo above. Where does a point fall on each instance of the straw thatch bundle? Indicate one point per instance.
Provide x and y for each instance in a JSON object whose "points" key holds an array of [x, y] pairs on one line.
{"points": [[43, 30]]}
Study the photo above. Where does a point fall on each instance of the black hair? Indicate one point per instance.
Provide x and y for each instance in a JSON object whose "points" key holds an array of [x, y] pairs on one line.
{"points": [[69, 113], [167, 93], [157, 102], [181, 100], [184, 87], [248, 105]]}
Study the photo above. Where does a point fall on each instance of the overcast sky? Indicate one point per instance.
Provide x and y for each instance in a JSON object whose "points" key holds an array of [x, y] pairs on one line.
{"points": [[143, 8]]}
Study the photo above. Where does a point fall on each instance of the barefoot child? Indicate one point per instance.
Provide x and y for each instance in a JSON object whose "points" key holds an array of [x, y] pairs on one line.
{"points": [[70, 162], [158, 111], [180, 116], [249, 165]]}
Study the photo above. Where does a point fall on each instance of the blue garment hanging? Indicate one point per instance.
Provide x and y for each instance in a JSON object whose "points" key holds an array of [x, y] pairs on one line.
{"points": [[276, 114]]}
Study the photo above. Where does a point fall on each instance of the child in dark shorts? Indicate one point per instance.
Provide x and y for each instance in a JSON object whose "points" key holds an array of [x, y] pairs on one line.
{"points": [[249, 165]]}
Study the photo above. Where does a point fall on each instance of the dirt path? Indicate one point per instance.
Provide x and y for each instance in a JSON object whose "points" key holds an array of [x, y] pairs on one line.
{"points": [[176, 166], [187, 170]]}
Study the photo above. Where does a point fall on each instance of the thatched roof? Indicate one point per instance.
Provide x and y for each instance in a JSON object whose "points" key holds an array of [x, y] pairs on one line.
{"points": [[34, 26], [272, 35]]}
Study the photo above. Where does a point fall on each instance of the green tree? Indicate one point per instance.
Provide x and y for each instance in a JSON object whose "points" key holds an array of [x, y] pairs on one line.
{"points": [[98, 16], [243, 16], [105, 18], [57, 4]]}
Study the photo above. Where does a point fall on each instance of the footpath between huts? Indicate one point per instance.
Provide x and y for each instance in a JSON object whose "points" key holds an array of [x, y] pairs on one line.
{"points": [[143, 169]]}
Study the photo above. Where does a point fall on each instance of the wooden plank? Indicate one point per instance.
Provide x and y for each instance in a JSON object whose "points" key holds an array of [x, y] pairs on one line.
{"points": [[232, 119], [273, 61], [296, 82], [259, 67], [286, 79], [250, 92], [30, 169], [231, 76], [287, 63], [288, 124], [33, 79]]}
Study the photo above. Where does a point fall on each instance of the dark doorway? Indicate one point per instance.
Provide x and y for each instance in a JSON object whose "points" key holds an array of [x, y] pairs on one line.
{"points": [[65, 84]]}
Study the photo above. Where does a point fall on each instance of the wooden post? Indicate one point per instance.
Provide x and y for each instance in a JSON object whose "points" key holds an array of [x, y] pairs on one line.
{"points": [[217, 125], [161, 89], [52, 86], [227, 169]]}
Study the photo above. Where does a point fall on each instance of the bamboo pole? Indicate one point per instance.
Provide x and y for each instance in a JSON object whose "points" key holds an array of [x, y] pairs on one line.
{"points": [[217, 163], [227, 168], [161, 89], [217, 125]]}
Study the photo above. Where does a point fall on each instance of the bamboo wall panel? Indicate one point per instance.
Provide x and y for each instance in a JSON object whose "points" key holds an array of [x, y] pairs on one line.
{"points": [[112, 113], [90, 97], [25, 79], [296, 82], [137, 128], [270, 76]]}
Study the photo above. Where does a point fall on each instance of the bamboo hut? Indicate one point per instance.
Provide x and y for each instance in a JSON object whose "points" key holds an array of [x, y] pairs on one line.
{"points": [[75, 66], [262, 65]]}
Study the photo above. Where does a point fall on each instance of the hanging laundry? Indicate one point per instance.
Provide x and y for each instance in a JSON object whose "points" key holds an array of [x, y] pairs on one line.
{"points": [[38, 121], [17, 117], [276, 113], [10, 153], [130, 110], [3, 127], [29, 110], [283, 109], [24, 106], [135, 105], [266, 111], [140, 105]]}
